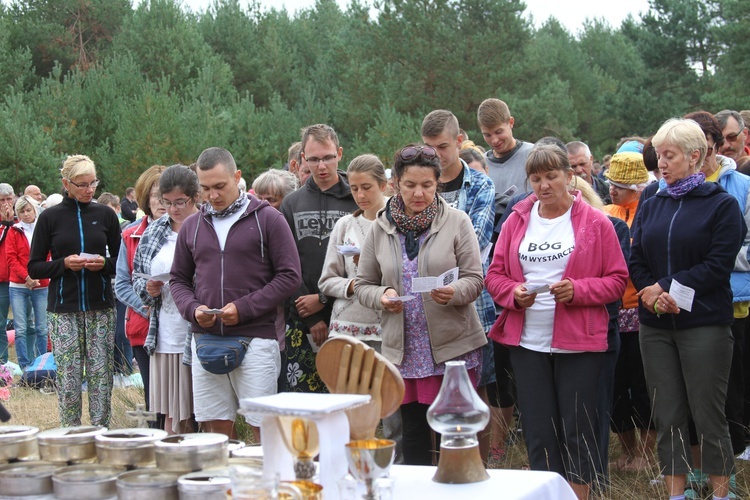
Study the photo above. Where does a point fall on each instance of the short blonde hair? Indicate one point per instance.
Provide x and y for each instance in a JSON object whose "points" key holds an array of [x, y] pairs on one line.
{"points": [[685, 134], [77, 165], [24, 200]]}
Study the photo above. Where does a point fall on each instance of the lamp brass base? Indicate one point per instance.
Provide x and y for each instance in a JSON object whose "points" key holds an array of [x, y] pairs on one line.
{"points": [[460, 465]]}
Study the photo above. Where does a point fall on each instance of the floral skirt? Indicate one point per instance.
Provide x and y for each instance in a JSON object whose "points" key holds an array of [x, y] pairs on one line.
{"points": [[298, 372]]}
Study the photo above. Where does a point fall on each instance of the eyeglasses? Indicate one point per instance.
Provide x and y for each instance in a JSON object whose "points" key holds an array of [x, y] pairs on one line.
{"points": [[732, 137], [328, 160], [178, 204], [86, 185], [413, 152]]}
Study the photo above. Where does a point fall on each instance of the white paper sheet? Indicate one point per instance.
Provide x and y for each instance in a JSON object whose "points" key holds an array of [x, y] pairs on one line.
{"points": [[211, 311], [157, 277], [315, 347], [402, 298], [536, 288], [429, 283], [89, 256], [682, 294], [347, 249]]}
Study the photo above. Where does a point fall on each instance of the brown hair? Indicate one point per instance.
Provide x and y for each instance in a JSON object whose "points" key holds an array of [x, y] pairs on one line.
{"points": [[144, 184], [319, 133], [439, 121], [492, 112]]}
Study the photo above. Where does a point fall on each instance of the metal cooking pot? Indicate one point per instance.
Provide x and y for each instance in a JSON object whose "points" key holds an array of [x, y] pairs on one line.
{"points": [[128, 447], [86, 482], [26, 478], [68, 445], [204, 485], [18, 442], [147, 484], [191, 452]]}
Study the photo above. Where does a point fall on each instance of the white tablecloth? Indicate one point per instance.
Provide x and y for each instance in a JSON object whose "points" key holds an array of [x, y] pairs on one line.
{"points": [[413, 482]]}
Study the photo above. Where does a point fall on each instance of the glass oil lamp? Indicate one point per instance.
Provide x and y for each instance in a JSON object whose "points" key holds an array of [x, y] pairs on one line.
{"points": [[458, 414]]}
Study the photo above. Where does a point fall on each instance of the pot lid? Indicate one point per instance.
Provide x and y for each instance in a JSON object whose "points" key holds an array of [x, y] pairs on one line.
{"points": [[130, 438], [70, 435], [13, 433], [29, 470], [87, 473], [192, 442], [143, 477]]}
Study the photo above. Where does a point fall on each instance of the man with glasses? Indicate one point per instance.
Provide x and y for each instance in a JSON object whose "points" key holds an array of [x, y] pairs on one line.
{"points": [[311, 212], [735, 133], [582, 161]]}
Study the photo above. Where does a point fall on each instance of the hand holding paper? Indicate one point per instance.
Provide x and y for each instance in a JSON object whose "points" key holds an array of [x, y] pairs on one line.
{"points": [[682, 295], [428, 283]]}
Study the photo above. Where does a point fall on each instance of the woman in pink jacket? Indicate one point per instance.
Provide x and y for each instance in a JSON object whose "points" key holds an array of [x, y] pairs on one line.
{"points": [[557, 263]]}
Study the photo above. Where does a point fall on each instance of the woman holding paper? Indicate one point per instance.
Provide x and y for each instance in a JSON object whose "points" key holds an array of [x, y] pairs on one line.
{"points": [[367, 181], [170, 375], [82, 239], [557, 263], [416, 236], [685, 241]]}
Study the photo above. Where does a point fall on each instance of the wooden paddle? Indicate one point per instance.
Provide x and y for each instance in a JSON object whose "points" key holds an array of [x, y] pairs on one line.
{"points": [[349, 366]]}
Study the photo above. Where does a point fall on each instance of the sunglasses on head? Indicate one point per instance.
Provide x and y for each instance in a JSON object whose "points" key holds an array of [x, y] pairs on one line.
{"points": [[413, 152]]}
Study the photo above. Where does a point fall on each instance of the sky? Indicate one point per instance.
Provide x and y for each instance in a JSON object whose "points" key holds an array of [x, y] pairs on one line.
{"points": [[571, 13]]}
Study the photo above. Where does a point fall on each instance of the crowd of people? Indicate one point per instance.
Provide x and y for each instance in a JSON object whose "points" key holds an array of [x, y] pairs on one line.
{"points": [[588, 298]]}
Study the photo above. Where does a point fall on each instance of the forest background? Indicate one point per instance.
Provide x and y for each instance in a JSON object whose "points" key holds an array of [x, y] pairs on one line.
{"points": [[158, 83]]}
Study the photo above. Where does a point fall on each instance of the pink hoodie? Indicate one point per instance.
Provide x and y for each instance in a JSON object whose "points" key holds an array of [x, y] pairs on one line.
{"points": [[596, 268]]}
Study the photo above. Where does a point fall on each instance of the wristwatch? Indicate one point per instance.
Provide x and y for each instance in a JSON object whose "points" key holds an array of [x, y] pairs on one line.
{"points": [[322, 298]]}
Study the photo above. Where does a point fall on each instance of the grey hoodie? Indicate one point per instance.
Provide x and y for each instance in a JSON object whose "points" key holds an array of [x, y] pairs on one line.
{"points": [[311, 214]]}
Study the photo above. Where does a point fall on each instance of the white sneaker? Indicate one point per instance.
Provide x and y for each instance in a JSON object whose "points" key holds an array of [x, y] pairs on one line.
{"points": [[745, 455]]}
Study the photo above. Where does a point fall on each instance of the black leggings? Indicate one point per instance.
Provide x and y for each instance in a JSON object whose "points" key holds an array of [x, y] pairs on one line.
{"points": [[417, 434]]}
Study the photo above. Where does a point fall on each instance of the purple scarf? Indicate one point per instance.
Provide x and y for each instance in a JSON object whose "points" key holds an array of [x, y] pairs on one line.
{"points": [[680, 188]]}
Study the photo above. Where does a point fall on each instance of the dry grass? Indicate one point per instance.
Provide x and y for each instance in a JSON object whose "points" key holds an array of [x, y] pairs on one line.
{"points": [[31, 407]]}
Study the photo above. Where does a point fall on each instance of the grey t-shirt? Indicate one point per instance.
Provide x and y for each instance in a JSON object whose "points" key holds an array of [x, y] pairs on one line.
{"points": [[508, 174]]}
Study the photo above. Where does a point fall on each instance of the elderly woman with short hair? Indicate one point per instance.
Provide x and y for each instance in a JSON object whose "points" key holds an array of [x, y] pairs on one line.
{"points": [[274, 185], [687, 235]]}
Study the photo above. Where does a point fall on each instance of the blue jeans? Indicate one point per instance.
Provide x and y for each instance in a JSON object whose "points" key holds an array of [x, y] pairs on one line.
{"points": [[4, 306], [31, 341]]}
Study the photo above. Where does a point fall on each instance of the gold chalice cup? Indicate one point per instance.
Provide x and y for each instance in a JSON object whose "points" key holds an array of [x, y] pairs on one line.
{"points": [[301, 439], [370, 459]]}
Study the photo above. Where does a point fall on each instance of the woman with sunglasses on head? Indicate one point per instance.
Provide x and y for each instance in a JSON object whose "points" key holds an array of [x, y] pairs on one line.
{"points": [[557, 336], [419, 235], [83, 240], [171, 379]]}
